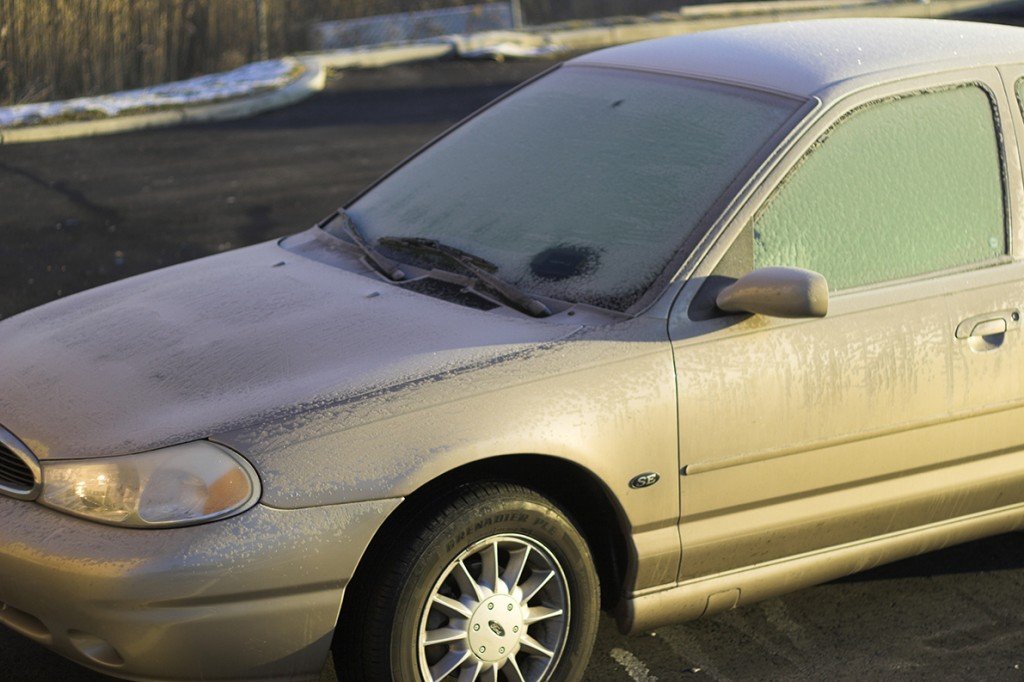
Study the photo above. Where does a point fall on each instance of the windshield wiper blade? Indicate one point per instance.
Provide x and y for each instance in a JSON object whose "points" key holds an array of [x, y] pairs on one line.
{"points": [[388, 267], [479, 268]]}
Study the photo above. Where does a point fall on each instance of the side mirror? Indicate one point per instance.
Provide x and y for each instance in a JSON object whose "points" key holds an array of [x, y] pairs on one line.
{"points": [[777, 292]]}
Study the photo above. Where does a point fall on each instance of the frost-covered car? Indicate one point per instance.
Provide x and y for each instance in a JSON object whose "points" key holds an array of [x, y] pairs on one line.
{"points": [[672, 328]]}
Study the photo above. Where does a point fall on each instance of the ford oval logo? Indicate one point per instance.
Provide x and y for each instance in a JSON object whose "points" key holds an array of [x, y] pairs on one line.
{"points": [[644, 480], [496, 628]]}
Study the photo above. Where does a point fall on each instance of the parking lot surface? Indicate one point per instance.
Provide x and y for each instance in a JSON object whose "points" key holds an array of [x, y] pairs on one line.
{"points": [[80, 213]]}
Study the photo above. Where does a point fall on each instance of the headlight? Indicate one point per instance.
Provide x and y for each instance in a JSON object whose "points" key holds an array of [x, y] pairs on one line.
{"points": [[175, 486]]}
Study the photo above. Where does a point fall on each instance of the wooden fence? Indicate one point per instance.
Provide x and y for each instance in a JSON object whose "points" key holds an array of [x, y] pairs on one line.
{"points": [[53, 49]]}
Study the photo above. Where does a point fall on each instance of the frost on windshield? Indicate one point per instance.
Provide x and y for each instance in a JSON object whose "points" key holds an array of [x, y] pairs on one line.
{"points": [[898, 188], [583, 185]]}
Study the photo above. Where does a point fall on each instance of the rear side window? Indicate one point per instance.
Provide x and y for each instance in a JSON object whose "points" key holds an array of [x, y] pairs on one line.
{"points": [[897, 188]]}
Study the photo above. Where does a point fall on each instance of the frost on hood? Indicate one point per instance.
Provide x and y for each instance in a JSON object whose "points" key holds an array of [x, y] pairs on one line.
{"points": [[202, 347]]}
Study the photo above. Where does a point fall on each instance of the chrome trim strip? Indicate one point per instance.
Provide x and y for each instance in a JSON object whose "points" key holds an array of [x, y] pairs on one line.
{"points": [[11, 442]]}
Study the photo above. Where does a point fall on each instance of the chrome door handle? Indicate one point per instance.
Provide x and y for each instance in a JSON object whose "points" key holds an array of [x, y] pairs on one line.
{"points": [[989, 327], [987, 332], [989, 324]]}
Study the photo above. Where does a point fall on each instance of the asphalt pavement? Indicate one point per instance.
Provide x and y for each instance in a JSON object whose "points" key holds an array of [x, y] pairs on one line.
{"points": [[80, 213]]}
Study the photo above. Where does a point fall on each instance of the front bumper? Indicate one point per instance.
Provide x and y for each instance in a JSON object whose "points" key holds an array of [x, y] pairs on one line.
{"points": [[252, 597]]}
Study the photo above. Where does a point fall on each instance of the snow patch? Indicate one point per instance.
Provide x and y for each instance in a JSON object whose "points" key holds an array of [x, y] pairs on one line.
{"points": [[634, 667], [512, 50], [245, 80]]}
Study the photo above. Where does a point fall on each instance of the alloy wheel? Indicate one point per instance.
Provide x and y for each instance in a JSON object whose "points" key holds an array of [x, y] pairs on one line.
{"points": [[500, 610]]}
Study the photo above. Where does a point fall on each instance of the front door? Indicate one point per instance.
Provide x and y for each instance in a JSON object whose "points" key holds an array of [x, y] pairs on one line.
{"points": [[799, 435]]}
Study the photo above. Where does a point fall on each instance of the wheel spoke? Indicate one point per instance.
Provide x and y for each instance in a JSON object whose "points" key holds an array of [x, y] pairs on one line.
{"points": [[512, 671], [467, 583], [444, 635], [452, 608], [490, 675], [532, 647], [539, 613], [516, 566], [471, 673], [447, 665], [489, 574], [535, 584]]}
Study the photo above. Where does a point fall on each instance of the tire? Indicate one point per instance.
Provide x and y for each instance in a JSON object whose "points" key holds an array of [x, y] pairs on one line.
{"points": [[490, 582]]}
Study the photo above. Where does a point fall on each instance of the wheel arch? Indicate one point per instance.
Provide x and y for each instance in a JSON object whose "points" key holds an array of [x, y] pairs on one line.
{"points": [[577, 491]]}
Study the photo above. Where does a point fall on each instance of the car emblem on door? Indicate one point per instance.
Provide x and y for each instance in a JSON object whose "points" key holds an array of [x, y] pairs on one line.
{"points": [[644, 480]]}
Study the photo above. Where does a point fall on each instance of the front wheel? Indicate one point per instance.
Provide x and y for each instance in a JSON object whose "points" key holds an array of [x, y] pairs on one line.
{"points": [[494, 583]]}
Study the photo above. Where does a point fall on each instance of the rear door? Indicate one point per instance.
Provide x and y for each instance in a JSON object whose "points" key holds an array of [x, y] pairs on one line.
{"points": [[799, 435], [987, 363]]}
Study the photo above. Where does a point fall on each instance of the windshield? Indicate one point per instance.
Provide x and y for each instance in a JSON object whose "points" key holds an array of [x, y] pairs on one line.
{"points": [[582, 185]]}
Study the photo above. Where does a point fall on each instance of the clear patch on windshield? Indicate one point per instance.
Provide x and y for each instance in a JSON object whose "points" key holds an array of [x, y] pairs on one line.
{"points": [[583, 185]]}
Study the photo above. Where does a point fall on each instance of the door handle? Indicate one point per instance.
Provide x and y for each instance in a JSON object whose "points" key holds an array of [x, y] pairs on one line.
{"points": [[988, 324], [989, 327], [987, 332]]}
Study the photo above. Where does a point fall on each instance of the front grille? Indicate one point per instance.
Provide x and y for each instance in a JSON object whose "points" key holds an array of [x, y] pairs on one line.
{"points": [[19, 469], [15, 473]]}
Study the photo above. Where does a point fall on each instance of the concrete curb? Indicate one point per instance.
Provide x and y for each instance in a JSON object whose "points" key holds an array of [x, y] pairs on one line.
{"points": [[313, 79], [377, 57], [727, 9], [707, 17], [564, 36]]}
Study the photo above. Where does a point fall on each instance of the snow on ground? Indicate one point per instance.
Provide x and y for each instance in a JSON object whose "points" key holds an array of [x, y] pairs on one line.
{"points": [[245, 80], [512, 50]]}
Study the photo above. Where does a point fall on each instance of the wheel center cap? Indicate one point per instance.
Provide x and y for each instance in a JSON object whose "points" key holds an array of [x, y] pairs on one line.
{"points": [[495, 628]]}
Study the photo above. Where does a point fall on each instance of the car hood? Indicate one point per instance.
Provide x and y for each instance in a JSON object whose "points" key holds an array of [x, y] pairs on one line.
{"points": [[216, 344]]}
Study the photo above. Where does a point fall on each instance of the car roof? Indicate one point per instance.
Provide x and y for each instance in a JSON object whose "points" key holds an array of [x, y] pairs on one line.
{"points": [[807, 57]]}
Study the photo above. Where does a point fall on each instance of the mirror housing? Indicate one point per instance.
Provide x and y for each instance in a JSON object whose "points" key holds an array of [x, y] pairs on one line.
{"points": [[777, 292]]}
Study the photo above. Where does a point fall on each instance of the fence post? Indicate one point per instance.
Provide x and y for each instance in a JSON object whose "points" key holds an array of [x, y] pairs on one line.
{"points": [[517, 13], [262, 37]]}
